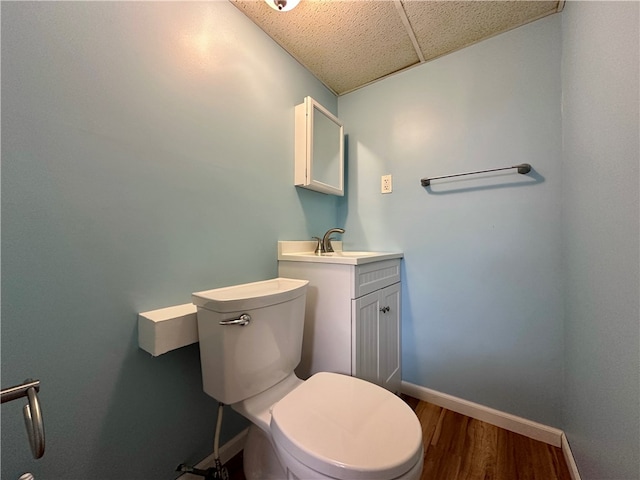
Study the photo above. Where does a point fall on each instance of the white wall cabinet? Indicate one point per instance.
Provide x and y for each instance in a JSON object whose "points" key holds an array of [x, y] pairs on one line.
{"points": [[319, 149], [352, 319]]}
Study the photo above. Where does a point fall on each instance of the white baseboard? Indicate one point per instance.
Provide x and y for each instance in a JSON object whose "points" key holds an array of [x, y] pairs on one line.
{"points": [[568, 457], [227, 452], [513, 423]]}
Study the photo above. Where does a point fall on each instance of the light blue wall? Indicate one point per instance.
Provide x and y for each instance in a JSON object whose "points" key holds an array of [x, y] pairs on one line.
{"points": [[482, 292], [147, 152], [601, 156]]}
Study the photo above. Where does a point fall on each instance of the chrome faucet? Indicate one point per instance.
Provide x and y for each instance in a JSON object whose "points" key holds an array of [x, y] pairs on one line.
{"points": [[326, 246], [318, 250]]}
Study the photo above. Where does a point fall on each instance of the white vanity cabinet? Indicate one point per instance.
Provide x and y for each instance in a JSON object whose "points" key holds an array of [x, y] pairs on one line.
{"points": [[352, 319]]}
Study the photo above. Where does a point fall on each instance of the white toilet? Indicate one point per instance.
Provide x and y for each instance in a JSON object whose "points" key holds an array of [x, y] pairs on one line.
{"points": [[330, 426]]}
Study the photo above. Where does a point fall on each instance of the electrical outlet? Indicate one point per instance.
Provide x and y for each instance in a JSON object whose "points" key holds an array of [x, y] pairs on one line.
{"points": [[386, 184]]}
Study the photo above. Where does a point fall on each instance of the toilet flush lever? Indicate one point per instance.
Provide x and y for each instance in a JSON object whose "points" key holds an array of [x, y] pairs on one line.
{"points": [[242, 320]]}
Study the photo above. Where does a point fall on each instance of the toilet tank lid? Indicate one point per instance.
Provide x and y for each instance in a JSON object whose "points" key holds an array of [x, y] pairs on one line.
{"points": [[249, 296], [345, 427]]}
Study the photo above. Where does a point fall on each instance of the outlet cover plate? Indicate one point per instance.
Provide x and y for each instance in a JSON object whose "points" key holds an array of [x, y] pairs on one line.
{"points": [[386, 184]]}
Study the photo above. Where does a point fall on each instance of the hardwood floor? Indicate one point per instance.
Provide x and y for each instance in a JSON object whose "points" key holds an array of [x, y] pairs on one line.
{"points": [[457, 447]]}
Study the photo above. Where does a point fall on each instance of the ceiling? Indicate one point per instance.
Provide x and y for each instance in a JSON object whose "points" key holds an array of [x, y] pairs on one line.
{"points": [[347, 44]]}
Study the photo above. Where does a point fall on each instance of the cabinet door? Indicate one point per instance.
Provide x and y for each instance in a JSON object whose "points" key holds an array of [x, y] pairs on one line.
{"points": [[389, 371], [365, 335], [376, 338]]}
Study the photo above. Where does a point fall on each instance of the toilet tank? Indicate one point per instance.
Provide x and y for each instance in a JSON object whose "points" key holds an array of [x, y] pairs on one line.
{"points": [[240, 361]]}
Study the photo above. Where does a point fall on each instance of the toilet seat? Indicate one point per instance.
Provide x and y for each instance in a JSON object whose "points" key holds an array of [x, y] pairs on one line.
{"points": [[347, 428]]}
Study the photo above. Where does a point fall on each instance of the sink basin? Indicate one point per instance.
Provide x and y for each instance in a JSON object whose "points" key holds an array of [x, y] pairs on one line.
{"points": [[303, 251]]}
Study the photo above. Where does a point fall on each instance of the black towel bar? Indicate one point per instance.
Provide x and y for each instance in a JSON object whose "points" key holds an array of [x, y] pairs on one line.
{"points": [[523, 168]]}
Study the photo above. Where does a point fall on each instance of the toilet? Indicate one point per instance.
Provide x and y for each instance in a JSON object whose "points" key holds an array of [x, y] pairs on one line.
{"points": [[330, 426]]}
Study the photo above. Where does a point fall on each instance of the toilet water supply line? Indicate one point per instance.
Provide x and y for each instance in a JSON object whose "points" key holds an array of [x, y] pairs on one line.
{"points": [[218, 472], [221, 472]]}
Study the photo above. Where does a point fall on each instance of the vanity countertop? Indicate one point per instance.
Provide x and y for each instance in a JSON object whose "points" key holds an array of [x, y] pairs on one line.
{"points": [[303, 251]]}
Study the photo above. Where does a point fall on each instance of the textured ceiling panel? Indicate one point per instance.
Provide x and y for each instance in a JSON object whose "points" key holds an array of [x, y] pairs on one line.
{"points": [[344, 43], [443, 27], [347, 44]]}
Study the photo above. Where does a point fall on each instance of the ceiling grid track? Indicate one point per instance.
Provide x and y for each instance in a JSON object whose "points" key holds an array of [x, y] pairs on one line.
{"points": [[407, 25]]}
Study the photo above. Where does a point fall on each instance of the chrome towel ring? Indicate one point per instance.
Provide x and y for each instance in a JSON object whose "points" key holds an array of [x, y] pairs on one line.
{"points": [[31, 411]]}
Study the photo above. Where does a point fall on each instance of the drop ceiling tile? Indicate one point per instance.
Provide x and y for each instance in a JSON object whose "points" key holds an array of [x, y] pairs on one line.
{"points": [[445, 26], [346, 44]]}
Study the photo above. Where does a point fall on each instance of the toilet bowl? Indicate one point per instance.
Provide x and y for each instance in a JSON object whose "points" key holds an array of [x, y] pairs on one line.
{"points": [[331, 426]]}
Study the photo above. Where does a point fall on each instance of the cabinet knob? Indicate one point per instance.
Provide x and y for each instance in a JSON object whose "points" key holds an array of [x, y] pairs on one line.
{"points": [[385, 309]]}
